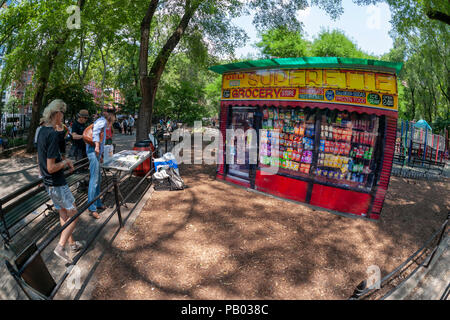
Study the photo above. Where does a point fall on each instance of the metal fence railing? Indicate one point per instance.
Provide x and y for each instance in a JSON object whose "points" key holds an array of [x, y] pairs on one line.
{"points": [[28, 271], [365, 292]]}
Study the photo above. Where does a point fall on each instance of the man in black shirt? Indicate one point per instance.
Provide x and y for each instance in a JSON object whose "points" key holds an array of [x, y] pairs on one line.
{"points": [[78, 145], [51, 165]]}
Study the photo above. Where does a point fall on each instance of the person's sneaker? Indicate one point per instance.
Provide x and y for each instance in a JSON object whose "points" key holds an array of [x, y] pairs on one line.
{"points": [[76, 246], [61, 253]]}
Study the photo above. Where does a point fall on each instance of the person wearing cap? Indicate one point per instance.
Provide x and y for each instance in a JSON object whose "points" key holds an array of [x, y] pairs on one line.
{"points": [[78, 150], [94, 154]]}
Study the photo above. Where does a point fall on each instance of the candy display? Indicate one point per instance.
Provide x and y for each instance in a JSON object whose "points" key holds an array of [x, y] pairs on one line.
{"points": [[346, 149], [344, 156], [287, 139]]}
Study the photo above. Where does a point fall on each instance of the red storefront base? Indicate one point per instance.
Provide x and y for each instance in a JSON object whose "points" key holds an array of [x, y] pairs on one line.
{"points": [[340, 200], [281, 186], [233, 180], [335, 200], [345, 201]]}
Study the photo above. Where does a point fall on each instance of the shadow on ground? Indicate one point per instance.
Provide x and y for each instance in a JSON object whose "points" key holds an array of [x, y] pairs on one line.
{"points": [[217, 241]]}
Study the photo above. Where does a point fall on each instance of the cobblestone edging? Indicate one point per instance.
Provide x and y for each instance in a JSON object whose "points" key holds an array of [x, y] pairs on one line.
{"points": [[419, 173]]}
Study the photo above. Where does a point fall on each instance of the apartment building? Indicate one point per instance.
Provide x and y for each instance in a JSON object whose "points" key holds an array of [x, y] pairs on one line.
{"points": [[115, 94]]}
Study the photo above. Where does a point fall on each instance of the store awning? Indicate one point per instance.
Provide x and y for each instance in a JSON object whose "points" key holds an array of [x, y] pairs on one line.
{"points": [[310, 62]]}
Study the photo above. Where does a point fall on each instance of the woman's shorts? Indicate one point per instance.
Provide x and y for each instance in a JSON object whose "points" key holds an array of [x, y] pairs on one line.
{"points": [[62, 197]]}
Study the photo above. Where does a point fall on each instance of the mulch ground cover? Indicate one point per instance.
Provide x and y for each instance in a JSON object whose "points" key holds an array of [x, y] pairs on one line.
{"points": [[214, 240]]}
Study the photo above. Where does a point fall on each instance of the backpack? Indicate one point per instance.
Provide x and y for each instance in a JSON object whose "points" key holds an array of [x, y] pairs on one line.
{"points": [[87, 135]]}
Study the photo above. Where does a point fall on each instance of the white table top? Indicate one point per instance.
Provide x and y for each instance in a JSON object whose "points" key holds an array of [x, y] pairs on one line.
{"points": [[126, 160]]}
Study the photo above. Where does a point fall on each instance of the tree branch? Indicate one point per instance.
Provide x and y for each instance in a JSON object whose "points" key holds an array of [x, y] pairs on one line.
{"points": [[171, 43], [135, 72], [8, 34], [87, 65], [437, 15]]}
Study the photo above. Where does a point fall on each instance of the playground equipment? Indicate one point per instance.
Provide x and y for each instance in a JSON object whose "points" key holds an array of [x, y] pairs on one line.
{"points": [[415, 141]]}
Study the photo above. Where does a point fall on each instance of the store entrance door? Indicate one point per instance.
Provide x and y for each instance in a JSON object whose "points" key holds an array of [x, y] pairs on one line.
{"points": [[239, 164]]}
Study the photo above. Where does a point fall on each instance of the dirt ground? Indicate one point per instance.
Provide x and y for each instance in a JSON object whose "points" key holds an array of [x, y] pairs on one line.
{"points": [[218, 241]]}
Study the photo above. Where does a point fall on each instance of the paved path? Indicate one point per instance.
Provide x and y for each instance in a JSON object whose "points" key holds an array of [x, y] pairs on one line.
{"points": [[16, 172]]}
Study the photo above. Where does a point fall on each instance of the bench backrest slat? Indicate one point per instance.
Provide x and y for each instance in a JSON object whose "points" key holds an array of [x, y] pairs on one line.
{"points": [[16, 211]]}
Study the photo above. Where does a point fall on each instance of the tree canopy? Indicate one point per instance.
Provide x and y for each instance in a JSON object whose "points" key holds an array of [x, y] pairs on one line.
{"points": [[75, 96], [157, 52], [421, 43]]}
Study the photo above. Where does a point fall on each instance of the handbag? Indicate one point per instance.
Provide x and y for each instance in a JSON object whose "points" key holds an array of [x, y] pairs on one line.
{"points": [[87, 135]]}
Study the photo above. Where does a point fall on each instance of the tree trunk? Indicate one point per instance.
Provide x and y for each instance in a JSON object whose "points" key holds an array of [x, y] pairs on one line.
{"points": [[46, 68], [143, 125], [149, 82], [413, 104]]}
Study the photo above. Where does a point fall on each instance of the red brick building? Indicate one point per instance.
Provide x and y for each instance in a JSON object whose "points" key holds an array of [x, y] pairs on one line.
{"points": [[110, 95]]}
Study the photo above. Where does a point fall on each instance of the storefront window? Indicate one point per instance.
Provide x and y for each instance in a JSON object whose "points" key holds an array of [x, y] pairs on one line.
{"points": [[241, 121], [344, 157], [287, 140], [347, 149]]}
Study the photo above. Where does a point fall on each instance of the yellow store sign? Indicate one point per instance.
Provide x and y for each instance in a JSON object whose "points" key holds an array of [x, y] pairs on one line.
{"points": [[356, 87]]}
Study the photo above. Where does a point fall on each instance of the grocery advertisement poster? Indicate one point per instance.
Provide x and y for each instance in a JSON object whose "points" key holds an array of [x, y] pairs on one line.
{"points": [[364, 88]]}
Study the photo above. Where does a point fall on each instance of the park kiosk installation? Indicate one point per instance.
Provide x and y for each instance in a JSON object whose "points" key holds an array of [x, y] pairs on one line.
{"points": [[326, 125]]}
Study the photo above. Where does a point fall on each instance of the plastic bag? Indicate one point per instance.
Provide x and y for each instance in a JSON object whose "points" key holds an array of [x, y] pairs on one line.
{"points": [[176, 183], [168, 160], [168, 179], [160, 175], [153, 140], [172, 161]]}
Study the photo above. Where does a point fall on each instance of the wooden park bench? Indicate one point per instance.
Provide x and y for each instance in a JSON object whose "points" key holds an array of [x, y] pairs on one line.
{"points": [[20, 222], [25, 237]]}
